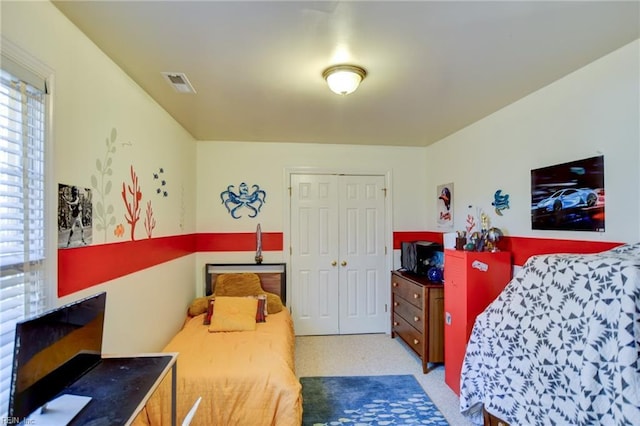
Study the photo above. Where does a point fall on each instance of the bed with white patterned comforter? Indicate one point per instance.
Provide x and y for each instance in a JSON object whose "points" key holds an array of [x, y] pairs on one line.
{"points": [[560, 345]]}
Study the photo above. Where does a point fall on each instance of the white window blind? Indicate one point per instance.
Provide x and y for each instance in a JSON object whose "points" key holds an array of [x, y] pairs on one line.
{"points": [[22, 209]]}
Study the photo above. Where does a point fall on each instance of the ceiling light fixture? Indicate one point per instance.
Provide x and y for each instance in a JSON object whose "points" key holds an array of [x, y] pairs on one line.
{"points": [[344, 79]]}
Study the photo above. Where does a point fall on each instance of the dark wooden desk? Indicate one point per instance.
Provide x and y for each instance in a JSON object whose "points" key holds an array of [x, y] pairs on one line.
{"points": [[119, 388]]}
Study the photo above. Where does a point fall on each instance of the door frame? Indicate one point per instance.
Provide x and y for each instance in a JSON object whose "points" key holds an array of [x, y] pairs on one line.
{"points": [[286, 208]]}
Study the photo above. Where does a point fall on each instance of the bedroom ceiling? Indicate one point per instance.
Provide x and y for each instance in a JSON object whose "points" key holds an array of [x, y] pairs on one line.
{"points": [[433, 67]]}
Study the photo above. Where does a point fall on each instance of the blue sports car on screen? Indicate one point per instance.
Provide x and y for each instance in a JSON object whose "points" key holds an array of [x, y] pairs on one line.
{"points": [[569, 198]]}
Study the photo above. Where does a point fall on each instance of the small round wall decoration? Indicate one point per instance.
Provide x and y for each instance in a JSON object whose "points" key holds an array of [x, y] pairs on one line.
{"points": [[243, 199]]}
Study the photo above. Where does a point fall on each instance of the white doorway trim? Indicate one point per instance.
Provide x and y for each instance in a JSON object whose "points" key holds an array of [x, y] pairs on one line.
{"points": [[286, 208]]}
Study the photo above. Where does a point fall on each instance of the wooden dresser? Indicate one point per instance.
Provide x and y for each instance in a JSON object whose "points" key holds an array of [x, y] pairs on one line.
{"points": [[417, 316]]}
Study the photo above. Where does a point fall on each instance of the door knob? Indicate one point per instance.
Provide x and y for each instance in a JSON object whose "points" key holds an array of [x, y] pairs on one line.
{"points": [[334, 263], [344, 263]]}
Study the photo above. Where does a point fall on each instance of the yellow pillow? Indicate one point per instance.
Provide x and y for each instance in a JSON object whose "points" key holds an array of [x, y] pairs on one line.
{"points": [[234, 314]]}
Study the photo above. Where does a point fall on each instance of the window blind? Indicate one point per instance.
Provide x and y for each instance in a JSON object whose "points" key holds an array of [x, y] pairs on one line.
{"points": [[22, 211]]}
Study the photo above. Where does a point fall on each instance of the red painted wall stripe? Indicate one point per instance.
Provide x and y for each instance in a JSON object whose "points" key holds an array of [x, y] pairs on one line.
{"points": [[84, 267], [399, 237], [271, 241], [523, 247]]}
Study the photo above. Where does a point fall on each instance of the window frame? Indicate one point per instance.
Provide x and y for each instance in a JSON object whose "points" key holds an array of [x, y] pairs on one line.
{"points": [[35, 68], [32, 64]]}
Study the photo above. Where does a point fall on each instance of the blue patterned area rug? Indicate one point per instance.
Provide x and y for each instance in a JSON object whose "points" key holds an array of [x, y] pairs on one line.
{"points": [[367, 400]]}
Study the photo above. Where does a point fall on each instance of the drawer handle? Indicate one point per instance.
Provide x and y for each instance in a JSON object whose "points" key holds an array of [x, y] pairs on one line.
{"points": [[416, 319], [395, 324], [395, 284], [395, 303], [416, 295], [416, 341]]}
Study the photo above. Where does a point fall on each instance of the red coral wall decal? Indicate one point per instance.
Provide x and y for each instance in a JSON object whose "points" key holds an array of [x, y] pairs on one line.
{"points": [[133, 208]]}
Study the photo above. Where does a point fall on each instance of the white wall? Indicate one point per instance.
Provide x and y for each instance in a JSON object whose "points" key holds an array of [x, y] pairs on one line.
{"points": [[92, 96], [593, 111], [145, 309], [220, 164]]}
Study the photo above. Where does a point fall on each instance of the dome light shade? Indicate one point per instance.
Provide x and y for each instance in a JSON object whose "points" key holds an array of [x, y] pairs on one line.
{"points": [[344, 79]]}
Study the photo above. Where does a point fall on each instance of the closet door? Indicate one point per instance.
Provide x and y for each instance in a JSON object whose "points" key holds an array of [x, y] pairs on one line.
{"points": [[363, 288], [339, 279], [314, 254]]}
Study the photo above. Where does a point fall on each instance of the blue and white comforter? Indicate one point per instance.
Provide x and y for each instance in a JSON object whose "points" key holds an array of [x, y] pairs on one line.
{"points": [[560, 345]]}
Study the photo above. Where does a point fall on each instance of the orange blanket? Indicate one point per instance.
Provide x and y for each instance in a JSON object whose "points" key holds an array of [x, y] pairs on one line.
{"points": [[244, 378]]}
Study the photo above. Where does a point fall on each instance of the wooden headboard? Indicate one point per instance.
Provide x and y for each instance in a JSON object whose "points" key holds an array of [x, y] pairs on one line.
{"points": [[273, 276]]}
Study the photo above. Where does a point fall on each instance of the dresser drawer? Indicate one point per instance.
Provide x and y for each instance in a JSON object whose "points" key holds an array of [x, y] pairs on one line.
{"points": [[410, 335], [407, 290], [410, 313]]}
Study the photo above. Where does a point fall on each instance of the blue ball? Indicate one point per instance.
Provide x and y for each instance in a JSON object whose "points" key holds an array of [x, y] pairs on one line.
{"points": [[435, 274]]}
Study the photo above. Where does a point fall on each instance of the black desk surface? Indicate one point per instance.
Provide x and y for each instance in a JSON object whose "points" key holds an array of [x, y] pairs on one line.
{"points": [[117, 386]]}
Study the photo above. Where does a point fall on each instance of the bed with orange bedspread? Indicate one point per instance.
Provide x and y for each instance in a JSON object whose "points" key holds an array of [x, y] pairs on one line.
{"points": [[243, 377]]}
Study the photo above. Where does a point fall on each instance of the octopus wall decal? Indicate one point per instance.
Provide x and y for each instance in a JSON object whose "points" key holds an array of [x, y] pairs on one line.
{"points": [[251, 200]]}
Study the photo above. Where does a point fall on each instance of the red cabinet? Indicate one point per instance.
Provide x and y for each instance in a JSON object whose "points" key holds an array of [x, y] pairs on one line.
{"points": [[472, 280]]}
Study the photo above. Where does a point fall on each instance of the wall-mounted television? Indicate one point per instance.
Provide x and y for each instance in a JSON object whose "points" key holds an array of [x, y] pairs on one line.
{"points": [[53, 350]]}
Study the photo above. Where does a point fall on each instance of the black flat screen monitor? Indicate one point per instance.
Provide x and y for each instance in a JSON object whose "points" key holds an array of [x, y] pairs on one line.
{"points": [[53, 350]]}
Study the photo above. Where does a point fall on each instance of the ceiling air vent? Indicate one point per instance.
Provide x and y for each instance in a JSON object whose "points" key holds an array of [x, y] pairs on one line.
{"points": [[179, 82]]}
